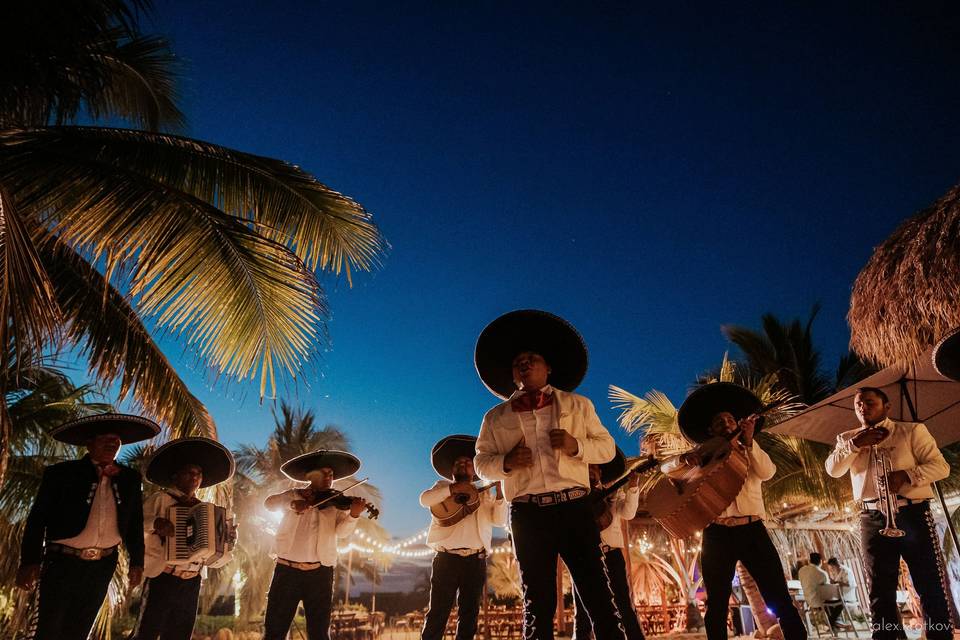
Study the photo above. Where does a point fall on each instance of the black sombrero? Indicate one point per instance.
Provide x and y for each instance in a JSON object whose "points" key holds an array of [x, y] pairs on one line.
{"points": [[343, 464], [445, 453], [129, 428], [703, 404], [946, 356], [529, 330], [610, 471], [211, 456]]}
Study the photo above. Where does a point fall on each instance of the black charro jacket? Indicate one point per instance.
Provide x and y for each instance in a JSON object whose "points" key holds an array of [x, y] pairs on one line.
{"points": [[63, 505]]}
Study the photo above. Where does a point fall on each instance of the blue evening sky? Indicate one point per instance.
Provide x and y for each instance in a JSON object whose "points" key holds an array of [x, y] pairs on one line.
{"points": [[647, 172]]}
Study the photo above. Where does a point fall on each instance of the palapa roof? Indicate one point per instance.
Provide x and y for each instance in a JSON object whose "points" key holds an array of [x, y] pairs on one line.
{"points": [[904, 299]]}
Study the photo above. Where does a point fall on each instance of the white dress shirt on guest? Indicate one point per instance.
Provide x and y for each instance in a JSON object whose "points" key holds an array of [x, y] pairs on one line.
{"points": [[473, 532], [624, 507], [502, 429], [101, 530], [812, 579], [911, 449], [309, 536], [155, 547]]}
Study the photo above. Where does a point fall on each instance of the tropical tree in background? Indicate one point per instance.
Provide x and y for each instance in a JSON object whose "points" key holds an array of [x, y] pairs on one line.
{"points": [[258, 476], [108, 234]]}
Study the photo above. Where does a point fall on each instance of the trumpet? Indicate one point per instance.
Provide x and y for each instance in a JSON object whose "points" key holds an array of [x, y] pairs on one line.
{"points": [[886, 500]]}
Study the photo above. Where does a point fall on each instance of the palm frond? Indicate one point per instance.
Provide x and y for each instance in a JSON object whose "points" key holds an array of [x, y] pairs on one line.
{"points": [[118, 346], [29, 315], [653, 413]]}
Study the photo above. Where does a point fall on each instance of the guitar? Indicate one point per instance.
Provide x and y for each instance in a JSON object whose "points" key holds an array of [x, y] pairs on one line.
{"points": [[458, 506]]}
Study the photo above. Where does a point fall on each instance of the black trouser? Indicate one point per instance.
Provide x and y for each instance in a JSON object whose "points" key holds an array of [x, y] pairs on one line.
{"points": [[617, 570], [71, 593], [455, 576], [168, 610], [288, 588], [920, 548], [751, 545], [566, 529]]}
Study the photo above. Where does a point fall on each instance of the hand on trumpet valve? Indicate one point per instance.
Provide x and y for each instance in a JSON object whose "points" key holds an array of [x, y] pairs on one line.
{"points": [[870, 436], [896, 479]]}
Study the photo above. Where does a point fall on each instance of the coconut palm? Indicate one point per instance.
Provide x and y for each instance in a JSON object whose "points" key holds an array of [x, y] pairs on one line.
{"points": [[258, 475], [108, 234]]}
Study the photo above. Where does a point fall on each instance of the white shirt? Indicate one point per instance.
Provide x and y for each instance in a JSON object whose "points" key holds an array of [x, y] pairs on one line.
{"points": [[552, 470], [812, 578], [310, 536], [624, 507], [749, 502], [155, 547], [101, 530], [911, 449], [473, 532]]}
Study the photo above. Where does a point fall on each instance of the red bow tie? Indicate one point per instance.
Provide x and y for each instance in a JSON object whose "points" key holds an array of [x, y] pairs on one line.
{"points": [[107, 469], [531, 401]]}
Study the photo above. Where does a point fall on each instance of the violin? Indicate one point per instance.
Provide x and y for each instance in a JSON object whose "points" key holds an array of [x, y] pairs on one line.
{"points": [[602, 512], [337, 499]]}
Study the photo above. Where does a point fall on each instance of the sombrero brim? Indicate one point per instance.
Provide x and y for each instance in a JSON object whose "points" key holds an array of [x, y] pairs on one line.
{"points": [[343, 464], [530, 330], [703, 404], [128, 428], [211, 456], [610, 471], [445, 453], [946, 356]]}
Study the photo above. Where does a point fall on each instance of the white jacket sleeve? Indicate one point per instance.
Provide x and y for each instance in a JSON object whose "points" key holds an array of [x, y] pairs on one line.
{"points": [[760, 463], [345, 523], [931, 465], [843, 454], [436, 494], [489, 460], [152, 510], [627, 504], [598, 447]]}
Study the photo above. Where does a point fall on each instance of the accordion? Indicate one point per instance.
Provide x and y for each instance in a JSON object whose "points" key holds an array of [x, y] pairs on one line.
{"points": [[202, 534]]}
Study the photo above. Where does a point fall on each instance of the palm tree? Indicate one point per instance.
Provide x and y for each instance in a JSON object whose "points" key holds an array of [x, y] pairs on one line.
{"points": [[108, 234], [258, 475]]}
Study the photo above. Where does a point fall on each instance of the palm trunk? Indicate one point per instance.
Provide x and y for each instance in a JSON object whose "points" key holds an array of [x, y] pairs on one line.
{"points": [[765, 621]]}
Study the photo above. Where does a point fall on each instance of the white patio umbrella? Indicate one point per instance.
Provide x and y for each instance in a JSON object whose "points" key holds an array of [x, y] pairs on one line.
{"points": [[917, 393]]}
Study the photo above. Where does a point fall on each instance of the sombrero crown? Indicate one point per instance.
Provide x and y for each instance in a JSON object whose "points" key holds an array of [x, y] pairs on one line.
{"points": [[700, 407], [343, 464], [213, 458], [447, 450], [530, 330], [129, 428]]}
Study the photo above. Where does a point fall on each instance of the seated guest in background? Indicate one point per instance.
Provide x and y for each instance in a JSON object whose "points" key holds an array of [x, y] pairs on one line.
{"points": [[460, 565], [842, 576], [83, 511], [813, 578], [171, 592]]}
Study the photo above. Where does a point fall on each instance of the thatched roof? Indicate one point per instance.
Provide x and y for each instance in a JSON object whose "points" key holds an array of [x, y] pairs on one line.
{"points": [[904, 299]]}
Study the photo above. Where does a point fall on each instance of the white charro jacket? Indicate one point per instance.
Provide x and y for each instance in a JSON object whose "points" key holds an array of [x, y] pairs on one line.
{"points": [[911, 449], [476, 526], [502, 429]]}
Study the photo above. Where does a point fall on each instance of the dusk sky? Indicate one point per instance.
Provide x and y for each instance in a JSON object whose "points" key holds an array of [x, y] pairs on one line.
{"points": [[647, 172]]}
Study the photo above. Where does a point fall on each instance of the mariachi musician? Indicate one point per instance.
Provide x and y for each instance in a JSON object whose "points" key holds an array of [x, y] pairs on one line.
{"points": [[171, 591], [306, 544], [611, 508], [715, 417], [540, 442], [83, 511], [462, 539]]}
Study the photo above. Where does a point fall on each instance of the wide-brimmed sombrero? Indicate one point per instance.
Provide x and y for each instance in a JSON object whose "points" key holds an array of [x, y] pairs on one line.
{"points": [[946, 356], [343, 464], [530, 330], [610, 471], [702, 405], [447, 450], [211, 456], [127, 427]]}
